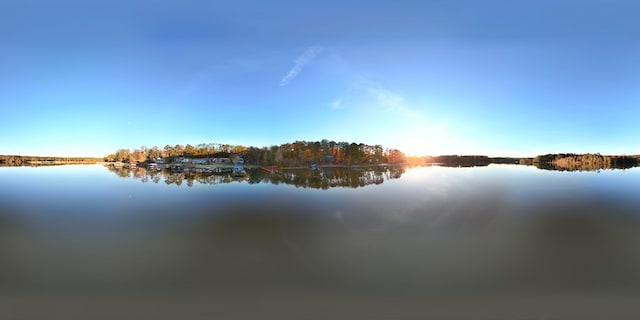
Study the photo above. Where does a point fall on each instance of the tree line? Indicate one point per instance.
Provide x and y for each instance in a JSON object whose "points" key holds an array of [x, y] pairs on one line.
{"points": [[15, 160], [298, 153], [584, 162]]}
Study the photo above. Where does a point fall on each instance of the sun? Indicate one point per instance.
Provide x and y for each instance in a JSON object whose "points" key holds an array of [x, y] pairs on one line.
{"points": [[422, 141]]}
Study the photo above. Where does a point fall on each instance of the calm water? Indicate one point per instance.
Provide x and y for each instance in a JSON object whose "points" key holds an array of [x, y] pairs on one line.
{"points": [[507, 242]]}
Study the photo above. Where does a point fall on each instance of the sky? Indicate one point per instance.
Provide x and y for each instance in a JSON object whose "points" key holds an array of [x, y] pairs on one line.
{"points": [[499, 78]]}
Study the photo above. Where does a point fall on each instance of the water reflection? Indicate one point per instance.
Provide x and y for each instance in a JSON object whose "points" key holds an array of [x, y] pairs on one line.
{"points": [[323, 178], [496, 242]]}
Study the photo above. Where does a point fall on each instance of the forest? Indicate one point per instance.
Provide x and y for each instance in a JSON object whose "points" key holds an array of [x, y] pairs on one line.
{"points": [[584, 162], [15, 160], [298, 153]]}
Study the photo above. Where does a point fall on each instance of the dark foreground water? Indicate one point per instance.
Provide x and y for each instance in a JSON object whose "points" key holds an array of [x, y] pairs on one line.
{"points": [[497, 242]]}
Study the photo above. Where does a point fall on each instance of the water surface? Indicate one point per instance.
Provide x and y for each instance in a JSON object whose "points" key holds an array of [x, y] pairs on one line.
{"points": [[403, 243]]}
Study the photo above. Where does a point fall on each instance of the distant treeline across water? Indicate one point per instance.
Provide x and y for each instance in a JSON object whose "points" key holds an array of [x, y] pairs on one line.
{"points": [[584, 162], [15, 160], [557, 161]]}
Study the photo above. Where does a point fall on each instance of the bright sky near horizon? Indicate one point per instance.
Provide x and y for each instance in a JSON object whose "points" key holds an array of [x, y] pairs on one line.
{"points": [[513, 78]]}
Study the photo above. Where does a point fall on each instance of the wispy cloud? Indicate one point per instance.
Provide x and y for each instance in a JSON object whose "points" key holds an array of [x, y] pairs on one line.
{"points": [[299, 64], [336, 104], [391, 101]]}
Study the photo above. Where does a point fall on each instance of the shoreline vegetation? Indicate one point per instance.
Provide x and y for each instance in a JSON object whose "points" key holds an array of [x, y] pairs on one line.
{"points": [[584, 162], [319, 154], [18, 160], [295, 154]]}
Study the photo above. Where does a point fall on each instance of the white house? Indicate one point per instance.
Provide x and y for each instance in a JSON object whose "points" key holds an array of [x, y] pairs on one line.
{"points": [[183, 160], [221, 160]]}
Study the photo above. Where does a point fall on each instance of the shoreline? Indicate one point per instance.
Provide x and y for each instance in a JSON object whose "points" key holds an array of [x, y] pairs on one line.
{"points": [[255, 166]]}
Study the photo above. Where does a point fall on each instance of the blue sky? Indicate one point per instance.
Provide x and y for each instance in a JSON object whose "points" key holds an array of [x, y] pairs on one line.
{"points": [[515, 78]]}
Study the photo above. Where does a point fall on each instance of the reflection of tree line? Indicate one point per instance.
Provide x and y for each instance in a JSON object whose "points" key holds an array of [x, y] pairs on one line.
{"points": [[559, 161], [468, 161], [326, 178], [171, 177], [323, 178], [14, 160], [584, 162]]}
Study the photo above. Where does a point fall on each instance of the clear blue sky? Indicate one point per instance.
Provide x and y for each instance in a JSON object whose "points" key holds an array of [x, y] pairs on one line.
{"points": [[515, 78]]}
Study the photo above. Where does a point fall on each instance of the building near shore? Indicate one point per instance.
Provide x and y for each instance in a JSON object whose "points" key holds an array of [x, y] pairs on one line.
{"points": [[221, 160]]}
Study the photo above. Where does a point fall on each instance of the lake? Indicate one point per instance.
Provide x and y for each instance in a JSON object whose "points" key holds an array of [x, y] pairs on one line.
{"points": [[495, 242]]}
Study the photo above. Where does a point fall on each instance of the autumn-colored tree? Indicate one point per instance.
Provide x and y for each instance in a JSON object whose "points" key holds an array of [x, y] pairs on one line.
{"points": [[189, 150], [396, 156], [178, 150], [122, 155], [154, 153], [289, 154]]}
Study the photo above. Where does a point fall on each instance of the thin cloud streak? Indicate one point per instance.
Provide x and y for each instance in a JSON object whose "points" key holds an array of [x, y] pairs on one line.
{"points": [[392, 101], [336, 104], [305, 58]]}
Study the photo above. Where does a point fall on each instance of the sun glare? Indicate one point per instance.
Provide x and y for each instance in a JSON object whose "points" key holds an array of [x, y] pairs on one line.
{"points": [[428, 140]]}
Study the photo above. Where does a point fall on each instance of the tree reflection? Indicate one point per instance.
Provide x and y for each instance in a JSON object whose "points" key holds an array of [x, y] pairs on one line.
{"points": [[584, 162], [323, 178]]}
